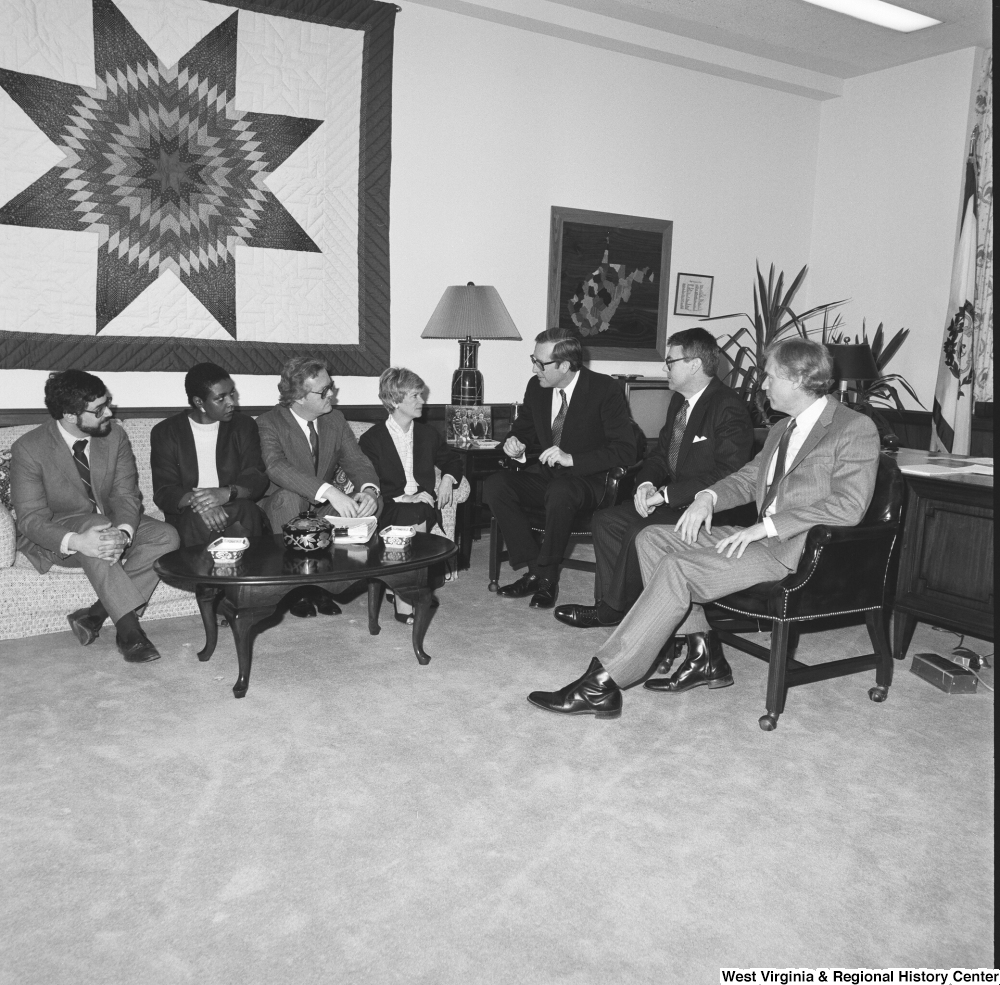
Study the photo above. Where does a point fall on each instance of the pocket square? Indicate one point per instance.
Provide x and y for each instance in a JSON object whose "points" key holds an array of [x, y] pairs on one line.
{"points": [[700, 437]]}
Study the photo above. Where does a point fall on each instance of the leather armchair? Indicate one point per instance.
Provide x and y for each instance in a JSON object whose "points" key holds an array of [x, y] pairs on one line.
{"points": [[845, 573]]}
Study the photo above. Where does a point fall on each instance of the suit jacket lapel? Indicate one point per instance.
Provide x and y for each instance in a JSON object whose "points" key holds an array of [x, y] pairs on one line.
{"points": [[98, 455], [815, 436], [63, 458], [694, 423], [770, 447], [299, 444]]}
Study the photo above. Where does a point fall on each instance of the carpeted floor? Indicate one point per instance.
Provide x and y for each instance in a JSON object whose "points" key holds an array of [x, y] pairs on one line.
{"points": [[359, 818]]}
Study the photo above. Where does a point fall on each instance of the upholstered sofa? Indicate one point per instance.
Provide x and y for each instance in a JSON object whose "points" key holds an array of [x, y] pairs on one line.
{"points": [[32, 604]]}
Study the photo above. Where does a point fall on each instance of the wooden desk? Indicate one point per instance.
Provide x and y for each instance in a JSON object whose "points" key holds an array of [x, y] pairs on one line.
{"points": [[946, 561], [479, 464]]}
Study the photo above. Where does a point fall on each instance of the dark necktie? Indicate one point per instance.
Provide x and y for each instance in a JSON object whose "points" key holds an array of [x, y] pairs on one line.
{"points": [[680, 423], [314, 442], [83, 467], [779, 469], [557, 424]]}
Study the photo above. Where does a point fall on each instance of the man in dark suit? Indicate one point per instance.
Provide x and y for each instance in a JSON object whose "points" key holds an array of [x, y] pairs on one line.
{"points": [[707, 435], [312, 457], [206, 462], [76, 493], [577, 423], [818, 466]]}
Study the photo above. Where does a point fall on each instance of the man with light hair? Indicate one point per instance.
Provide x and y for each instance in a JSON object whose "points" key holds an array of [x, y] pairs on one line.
{"points": [[312, 458], [818, 466]]}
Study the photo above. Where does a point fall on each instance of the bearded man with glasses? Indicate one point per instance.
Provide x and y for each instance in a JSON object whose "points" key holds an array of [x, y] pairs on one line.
{"points": [[576, 424], [312, 457]]}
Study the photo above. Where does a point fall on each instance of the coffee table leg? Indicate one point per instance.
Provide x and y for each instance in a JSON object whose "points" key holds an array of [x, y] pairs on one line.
{"points": [[206, 596], [375, 592], [424, 603], [242, 622]]}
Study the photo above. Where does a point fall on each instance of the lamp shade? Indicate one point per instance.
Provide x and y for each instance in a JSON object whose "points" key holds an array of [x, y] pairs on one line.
{"points": [[470, 312], [853, 362]]}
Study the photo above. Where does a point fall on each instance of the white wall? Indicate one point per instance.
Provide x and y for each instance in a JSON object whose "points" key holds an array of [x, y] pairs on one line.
{"points": [[888, 193], [492, 126]]}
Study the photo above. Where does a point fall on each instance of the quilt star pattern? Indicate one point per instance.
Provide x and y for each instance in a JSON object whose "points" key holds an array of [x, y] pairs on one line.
{"points": [[201, 244]]}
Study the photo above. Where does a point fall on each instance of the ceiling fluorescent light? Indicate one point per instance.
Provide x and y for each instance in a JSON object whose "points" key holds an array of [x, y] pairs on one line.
{"points": [[879, 12]]}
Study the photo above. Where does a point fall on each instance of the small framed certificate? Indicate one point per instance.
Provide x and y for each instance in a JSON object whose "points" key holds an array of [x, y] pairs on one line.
{"points": [[693, 296]]}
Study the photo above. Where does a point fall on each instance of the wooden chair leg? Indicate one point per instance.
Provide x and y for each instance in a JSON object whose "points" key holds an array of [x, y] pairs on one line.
{"points": [[776, 676], [877, 623], [496, 554]]}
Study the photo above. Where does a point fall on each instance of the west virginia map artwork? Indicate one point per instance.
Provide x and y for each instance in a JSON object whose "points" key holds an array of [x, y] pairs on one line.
{"points": [[200, 243]]}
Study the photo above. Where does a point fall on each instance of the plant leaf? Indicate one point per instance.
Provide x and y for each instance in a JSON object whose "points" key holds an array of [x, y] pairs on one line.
{"points": [[892, 347]]}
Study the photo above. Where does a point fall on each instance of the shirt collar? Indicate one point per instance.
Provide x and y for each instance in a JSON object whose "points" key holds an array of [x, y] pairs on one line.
{"points": [[693, 399], [569, 388], [807, 418], [393, 425], [69, 438]]}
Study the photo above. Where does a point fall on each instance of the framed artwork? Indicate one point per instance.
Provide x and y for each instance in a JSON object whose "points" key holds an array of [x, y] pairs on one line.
{"points": [[609, 276], [693, 295], [195, 209]]}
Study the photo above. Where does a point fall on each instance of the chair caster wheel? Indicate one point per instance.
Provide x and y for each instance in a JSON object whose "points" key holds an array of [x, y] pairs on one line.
{"points": [[878, 694], [494, 585], [768, 722]]}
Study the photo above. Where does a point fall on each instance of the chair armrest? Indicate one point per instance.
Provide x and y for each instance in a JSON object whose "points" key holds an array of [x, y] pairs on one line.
{"points": [[842, 569], [619, 485]]}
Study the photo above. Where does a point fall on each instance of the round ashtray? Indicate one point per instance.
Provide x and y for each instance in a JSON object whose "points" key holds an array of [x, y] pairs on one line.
{"points": [[228, 550], [397, 538]]}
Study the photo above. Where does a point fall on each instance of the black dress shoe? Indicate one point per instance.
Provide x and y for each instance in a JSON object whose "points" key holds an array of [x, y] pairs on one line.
{"points": [[525, 585], [593, 694], [704, 664], [139, 651], [581, 616], [545, 597], [325, 605], [86, 628], [302, 608]]}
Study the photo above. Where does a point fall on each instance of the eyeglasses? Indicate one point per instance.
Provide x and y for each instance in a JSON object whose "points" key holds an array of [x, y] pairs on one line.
{"points": [[326, 391], [680, 359], [538, 364]]}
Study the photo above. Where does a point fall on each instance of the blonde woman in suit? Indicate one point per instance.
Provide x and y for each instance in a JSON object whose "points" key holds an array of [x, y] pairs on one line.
{"points": [[818, 465]]}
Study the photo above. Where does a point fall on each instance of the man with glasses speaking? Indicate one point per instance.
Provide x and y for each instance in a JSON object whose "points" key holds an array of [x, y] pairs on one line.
{"points": [[706, 436], [574, 426], [312, 456]]}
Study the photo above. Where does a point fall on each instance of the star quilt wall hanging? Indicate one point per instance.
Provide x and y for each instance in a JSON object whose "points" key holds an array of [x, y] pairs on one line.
{"points": [[186, 181]]}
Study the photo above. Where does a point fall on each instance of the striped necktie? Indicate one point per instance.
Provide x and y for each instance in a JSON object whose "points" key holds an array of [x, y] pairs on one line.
{"points": [[314, 443], [779, 470], [557, 424], [676, 434], [83, 467]]}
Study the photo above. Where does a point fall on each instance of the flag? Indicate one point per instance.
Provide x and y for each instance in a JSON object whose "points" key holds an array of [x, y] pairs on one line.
{"points": [[951, 428]]}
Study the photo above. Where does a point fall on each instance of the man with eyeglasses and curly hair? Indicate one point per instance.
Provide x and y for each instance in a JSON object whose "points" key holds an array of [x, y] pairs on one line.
{"points": [[312, 457]]}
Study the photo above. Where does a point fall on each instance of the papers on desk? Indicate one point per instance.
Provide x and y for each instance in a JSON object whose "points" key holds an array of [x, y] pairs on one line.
{"points": [[930, 469]]}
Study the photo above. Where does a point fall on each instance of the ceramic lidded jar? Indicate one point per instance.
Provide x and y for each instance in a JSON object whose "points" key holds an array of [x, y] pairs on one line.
{"points": [[307, 532]]}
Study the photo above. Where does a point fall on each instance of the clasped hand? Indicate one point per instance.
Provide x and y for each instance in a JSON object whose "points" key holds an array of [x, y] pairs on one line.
{"points": [[102, 540], [647, 498], [445, 494], [361, 504], [556, 456]]}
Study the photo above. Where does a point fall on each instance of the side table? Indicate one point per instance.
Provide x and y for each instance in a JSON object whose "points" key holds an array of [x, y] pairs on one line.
{"points": [[479, 464], [946, 560]]}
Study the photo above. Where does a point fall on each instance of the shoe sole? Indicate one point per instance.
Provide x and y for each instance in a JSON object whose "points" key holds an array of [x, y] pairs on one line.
{"points": [[617, 713], [82, 634], [712, 685]]}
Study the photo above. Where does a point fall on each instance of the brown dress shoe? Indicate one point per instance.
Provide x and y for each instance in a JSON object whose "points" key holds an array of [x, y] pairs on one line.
{"points": [[704, 664], [593, 694]]}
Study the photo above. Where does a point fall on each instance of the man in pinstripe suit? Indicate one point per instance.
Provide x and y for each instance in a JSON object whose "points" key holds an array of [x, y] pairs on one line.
{"points": [[817, 466]]}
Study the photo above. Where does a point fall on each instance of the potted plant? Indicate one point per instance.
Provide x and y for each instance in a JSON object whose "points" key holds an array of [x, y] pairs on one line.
{"points": [[773, 318]]}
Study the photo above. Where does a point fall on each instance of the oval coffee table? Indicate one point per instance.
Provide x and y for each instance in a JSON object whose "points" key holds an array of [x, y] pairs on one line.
{"points": [[250, 590]]}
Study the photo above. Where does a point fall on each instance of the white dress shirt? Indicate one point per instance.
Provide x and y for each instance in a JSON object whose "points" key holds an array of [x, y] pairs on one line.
{"points": [[804, 423], [691, 401], [70, 441], [403, 440], [323, 489], [206, 441]]}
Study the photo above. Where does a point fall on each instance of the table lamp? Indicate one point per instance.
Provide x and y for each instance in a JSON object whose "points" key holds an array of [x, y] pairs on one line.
{"points": [[852, 362], [467, 314]]}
